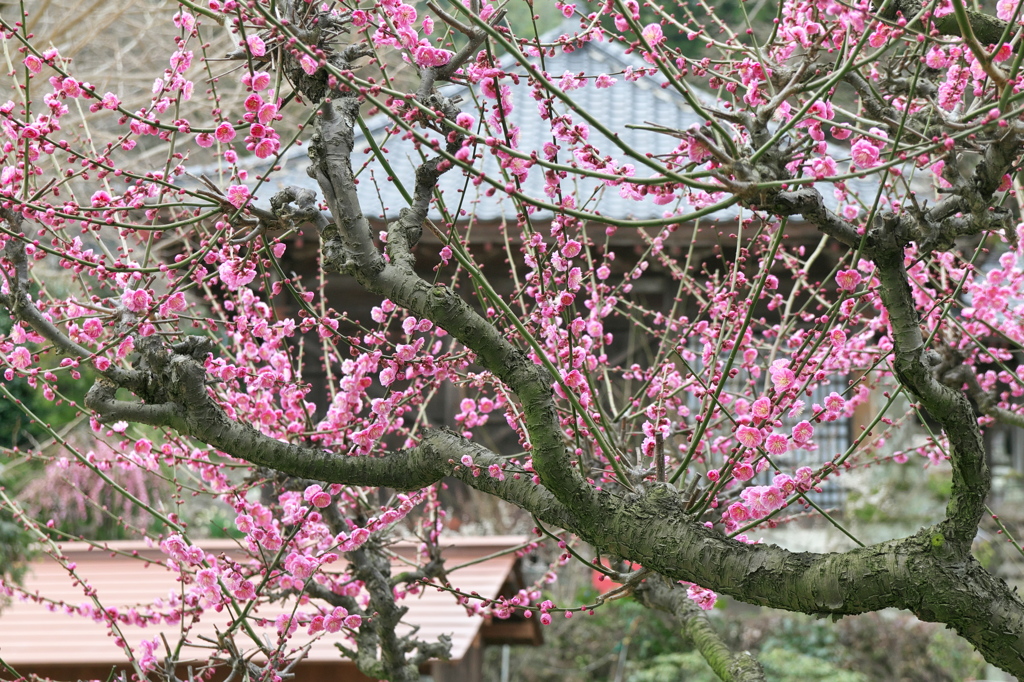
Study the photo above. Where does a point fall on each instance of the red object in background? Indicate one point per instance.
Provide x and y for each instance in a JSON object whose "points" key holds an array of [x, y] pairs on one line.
{"points": [[603, 583]]}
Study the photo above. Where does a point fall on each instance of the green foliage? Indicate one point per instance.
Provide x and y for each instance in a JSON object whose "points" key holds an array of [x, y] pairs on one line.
{"points": [[803, 636], [671, 667], [16, 429], [954, 655], [790, 647], [987, 553], [216, 521], [14, 548], [780, 665], [940, 483], [590, 648], [912, 651], [798, 649], [868, 513], [785, 665]]}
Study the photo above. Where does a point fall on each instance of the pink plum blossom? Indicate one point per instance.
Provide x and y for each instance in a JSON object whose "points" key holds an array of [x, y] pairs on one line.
{"points": [[748, 436], [238, 195], [33, 63], [803, 432], [776, 444], [256, 45], [20, 358], [136, 300], [848, 279], [743, 472], [653, 34], [430, 57], [864, 153], [224, 132]]}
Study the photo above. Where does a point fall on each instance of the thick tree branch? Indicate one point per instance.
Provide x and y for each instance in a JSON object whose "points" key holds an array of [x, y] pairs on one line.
{"points": [[19, 303], [963, 376], [172, 384], [649, 527], [192, 412], [987, 28], [914, 368], [396, 660], [348, 248], [659, 593]]}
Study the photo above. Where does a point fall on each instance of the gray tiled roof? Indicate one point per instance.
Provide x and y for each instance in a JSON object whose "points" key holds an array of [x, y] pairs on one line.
{"points": [[627, 103]]}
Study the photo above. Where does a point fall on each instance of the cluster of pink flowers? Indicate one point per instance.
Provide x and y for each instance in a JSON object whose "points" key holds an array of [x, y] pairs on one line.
{"points": [[334, 621], [758, 501], [473, 413]]}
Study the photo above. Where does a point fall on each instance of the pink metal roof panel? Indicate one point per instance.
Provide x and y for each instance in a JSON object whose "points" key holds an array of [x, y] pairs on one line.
{"points": [[33, 633]]}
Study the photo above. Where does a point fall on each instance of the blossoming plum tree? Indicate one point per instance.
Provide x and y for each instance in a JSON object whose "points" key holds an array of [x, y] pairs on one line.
{"points": [[170, 304]]}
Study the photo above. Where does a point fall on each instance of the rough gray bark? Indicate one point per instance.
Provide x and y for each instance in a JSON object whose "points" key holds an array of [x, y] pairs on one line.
{"points": [[986, 28]]}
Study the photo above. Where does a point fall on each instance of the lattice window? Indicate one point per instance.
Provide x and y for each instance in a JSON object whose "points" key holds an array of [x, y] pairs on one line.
{"points": [[831, 438]]}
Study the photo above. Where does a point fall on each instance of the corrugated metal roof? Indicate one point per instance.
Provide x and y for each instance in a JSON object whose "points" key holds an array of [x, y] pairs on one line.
{"points": [[30, 633]]}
